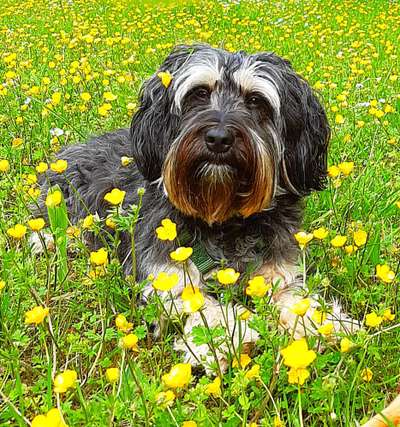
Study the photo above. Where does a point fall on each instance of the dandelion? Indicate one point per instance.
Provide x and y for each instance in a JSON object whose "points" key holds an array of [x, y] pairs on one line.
{"points": [[112, 375], [350, 249], [36, 224], [165, 78], [384, 273], [360, 237], [339, 119], [129, 342], [338, 241], [36, 315], [53, 199], [181, 254], [59, 166], [257, 287], [244, 360], [228, 276], [85, 96], [167, 230], [214, 388], [165, 398], [4, 165], [17, 142], [99, 257], [346, 167], [109, 96], [165, 282], [301, 307], [320, 233], [303, 238], [373, 320], [366, 375], [179, 376], [115, 196], [17, 232], [104, 109], [193, 299], [65, 380], [333, 171], [122, 324]]}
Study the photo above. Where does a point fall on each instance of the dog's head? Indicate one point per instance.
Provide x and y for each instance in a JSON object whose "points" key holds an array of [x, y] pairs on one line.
{"points": [[230, 132]]}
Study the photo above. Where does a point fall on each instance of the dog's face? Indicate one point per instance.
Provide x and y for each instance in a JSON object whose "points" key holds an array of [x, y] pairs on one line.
{"points": [[230, 133]]}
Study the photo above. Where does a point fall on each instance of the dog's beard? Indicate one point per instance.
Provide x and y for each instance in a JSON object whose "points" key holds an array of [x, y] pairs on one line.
{"points": [[219, 186]]}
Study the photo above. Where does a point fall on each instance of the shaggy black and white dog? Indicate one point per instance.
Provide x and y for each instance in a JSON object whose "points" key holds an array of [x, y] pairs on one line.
{"points": [[227, 151]]}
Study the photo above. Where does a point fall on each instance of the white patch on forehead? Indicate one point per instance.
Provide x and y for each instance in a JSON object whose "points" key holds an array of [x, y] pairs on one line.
{"points": [[201, 73], [250, 79]]}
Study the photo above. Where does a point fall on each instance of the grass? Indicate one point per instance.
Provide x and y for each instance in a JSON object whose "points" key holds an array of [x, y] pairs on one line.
{"points": [[53, 51]]}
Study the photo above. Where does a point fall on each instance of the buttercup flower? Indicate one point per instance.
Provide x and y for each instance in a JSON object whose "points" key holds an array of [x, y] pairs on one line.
{"points": [[59, 166], [192, 298], [129, 342], [298, 375], [165, 398], [320, 233], [165, 78], [53, 199], [189, 424], [181, 254], [346, 167], [88, 221], [244, 360], [2, 285], [112, 375], [245, 315], [253, 372], [53, 418], [179, 376], [115, 196], [360, 237], [36, 224], [345, 345], [338, 241], [318, 316], [17, 232], [388, 315], [384, 273], [36, 315], [373, 320], [214, 388], [366, 375], [333, 171], [65, 380], [165, 282], [41, 167], [257, 287], [125, 161], [326, 329], [122, 324], [4, 165], [228, 276], [303, 238], [301, 307], [99, 257], [297, 355], [167, 230]]}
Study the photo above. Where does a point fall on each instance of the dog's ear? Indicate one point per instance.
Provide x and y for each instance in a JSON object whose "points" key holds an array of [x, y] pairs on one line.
{"points": [[155, 124], [305, 129]]}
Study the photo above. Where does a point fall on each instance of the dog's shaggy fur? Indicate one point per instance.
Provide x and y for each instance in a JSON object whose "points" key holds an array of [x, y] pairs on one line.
{"points": [[227, 152]]}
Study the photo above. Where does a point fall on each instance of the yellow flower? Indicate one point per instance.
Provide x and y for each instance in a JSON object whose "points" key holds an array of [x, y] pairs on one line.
{"points": [[165, 398], [346, 167], [346, 345], [298, 375], [360, 237], [257, 287], [41, 167], [2, 285], [85, 96], [109, 96], [297, 355], [112, 375], [17, 232], [36, 224], [373, 320], [53, 418], [245, 315], [167, 230], [104, 109], [384, 273], [56, 98], [73, 231], [303, 238], [88, 221], [349, 249], [125, 161], [65, 380], [254, 372], [59, 166], [333, 171], [388, 315], [165, 282], [36, 315], [16, 142], [122, 324], [320, 233], [111, 223], [179, 376], [338, 241], [192, 298], [189, 424], [243, 361], [278, 422], [214, 388], [99, 257], [366, 375], [4, 165], [53, 199], [301, 307], [326, 329], [165, 78], [115, 197], [228, 276], [129, 342], [318, 316], [339, 119], [181, 254]]}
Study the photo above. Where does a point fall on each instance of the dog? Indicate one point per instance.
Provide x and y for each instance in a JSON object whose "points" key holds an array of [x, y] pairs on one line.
{"points": [[227, 151]]}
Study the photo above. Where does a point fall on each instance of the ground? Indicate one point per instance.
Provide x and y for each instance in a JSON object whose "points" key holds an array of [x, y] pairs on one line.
{"points": [[72, 68]]}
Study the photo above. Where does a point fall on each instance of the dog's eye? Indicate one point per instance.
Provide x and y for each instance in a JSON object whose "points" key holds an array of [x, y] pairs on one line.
{"points": [[201, 93], [254, 100]]}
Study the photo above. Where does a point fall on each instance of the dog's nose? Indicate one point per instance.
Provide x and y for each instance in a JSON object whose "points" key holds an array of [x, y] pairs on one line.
{"points": [[219, 139]]}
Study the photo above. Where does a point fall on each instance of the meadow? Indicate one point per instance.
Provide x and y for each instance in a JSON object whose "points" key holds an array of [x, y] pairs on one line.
{"points": [[75, 348]]}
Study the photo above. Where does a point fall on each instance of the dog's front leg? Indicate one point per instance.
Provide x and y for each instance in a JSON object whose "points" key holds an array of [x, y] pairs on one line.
{"points": [[290, 289]]}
